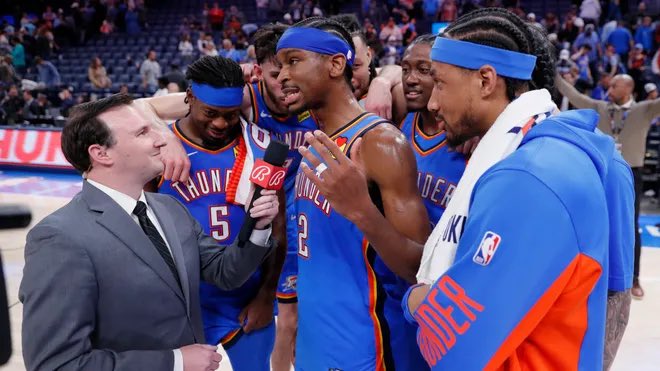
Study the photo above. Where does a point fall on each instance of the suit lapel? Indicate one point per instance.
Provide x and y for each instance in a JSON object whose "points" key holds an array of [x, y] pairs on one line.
{"points": [[169, 228], [113, 218]]}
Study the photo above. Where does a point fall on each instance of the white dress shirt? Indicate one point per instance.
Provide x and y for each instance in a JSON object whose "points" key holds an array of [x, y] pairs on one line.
{"points": [[128, 203]]}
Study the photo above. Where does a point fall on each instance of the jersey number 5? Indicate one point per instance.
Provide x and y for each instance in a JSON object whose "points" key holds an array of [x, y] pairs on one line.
{"points": [[303, 250], [219, 226]]}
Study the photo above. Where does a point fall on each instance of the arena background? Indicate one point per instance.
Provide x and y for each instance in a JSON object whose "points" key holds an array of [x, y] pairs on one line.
{"points": [[59, 39]]}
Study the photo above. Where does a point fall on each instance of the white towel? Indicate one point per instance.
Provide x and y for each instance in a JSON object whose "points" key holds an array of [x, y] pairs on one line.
{"points": [[500, 141]]}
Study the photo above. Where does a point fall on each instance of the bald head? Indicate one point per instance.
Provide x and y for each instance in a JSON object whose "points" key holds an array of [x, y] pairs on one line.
{"points": [[625, 79], [621, 88]]}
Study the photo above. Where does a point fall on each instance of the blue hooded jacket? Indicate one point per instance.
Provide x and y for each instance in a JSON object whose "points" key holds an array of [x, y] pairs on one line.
{"points": [[550, 228]]}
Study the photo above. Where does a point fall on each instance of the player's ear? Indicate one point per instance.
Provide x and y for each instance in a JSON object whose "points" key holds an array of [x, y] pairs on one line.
{"points": [[337, 65], [257, 71]]}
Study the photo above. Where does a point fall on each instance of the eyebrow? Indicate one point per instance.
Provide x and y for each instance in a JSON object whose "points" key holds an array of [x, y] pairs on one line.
{"points": [[140, 128]]}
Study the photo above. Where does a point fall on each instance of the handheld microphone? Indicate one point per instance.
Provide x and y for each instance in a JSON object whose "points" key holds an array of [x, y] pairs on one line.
{"points": [[266, 174]]}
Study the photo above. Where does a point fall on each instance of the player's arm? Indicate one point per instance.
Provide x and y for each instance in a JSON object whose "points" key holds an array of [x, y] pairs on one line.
{"points": [[398, 238], [173, 106], [380, 96], [168, 107], [399, 107], [519, 244], [389, 161], [576, 98], [273, 266], [246, 104], [259, 312]]}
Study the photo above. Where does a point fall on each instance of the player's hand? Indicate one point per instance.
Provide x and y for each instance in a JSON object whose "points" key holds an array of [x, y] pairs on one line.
{"points": [[175, 159], [259, 312], [265, 208], [248, 73], [379, 98], [200, 357], [344, 182]]}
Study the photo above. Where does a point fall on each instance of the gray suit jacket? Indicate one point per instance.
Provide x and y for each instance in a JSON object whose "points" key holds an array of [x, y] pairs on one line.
{"points": [[98, 296]]}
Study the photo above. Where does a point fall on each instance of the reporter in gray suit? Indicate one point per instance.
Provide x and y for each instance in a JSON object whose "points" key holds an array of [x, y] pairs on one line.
{"points": [[111, 280]]}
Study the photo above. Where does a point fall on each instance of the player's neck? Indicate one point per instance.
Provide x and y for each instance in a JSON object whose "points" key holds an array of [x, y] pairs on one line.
{"points": [[185, 127], [337, 111], [429, 125], [491, 115]]}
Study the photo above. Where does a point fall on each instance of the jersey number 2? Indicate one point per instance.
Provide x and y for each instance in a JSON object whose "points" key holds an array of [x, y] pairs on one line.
{"points": [[303, 250], [219, 226]]}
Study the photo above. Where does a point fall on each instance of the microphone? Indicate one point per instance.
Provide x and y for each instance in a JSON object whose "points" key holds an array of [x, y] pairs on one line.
{"points": [[266, 174]]}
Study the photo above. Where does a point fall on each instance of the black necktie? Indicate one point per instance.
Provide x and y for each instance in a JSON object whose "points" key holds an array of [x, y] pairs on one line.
{"points": [[155, 237]]}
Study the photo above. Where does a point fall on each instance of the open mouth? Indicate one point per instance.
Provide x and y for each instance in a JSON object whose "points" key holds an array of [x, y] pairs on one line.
{"points": [[413, 94], [291, 95]]}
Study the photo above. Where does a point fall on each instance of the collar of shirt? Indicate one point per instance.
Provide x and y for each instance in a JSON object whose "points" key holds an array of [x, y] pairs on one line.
{"points": [[627, 105], [125, 201]]}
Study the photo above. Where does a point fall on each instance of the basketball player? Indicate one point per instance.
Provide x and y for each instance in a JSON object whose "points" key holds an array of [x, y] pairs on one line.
{"points": [[347, 323], [438, 169], [267, 110], [214, 138]]}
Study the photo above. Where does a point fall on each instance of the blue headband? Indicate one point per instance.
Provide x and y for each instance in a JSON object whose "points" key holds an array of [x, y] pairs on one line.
{"points": [[317, 41], [218, 97], [473, 56]]}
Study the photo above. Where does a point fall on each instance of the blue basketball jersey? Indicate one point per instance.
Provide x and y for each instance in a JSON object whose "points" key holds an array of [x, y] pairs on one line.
{"points": [[205, 196], [290, 130], [438, 170], [341, 323]]}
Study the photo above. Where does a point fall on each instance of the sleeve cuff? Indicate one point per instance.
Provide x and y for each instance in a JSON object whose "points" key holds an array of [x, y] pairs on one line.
{"points": [[404, 304], [178, 360], [261, 237]]}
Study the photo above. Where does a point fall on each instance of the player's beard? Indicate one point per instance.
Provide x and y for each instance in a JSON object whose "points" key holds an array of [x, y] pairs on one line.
{"points": [[467, 126], [214, 144]]}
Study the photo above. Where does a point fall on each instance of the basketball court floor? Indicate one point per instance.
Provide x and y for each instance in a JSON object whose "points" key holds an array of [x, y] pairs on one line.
{"points": [[46, 192]]}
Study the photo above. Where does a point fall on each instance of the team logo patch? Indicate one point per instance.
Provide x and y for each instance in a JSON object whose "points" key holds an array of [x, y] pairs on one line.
{"points": [[341, 143], [487, 248], [303, 116], [290, 283]]}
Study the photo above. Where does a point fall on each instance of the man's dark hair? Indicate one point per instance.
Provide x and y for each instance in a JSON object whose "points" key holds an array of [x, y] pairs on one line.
{"points": [[426, 39], [217, 71], [335, 28], [84, 128], [351, 24], [503, 29], [265, 41], [349, 21]]}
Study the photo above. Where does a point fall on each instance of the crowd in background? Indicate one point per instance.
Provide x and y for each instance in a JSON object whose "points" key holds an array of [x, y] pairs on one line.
{"points": [[594, 41]]}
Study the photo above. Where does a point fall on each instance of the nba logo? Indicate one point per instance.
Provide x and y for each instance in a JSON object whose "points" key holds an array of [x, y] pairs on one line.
{"points": [[487, 248]]}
